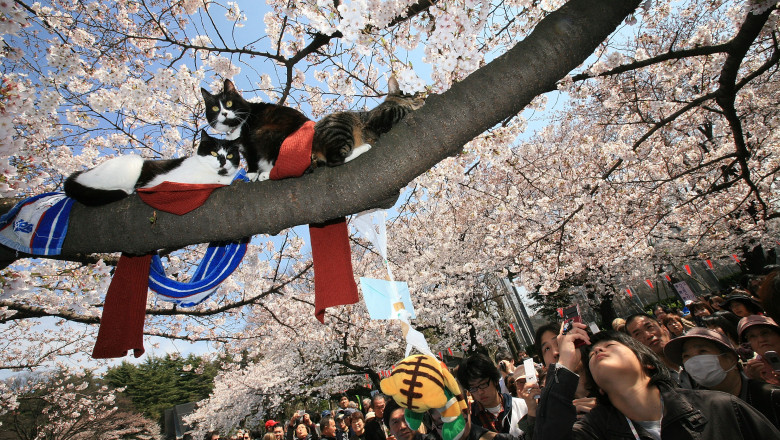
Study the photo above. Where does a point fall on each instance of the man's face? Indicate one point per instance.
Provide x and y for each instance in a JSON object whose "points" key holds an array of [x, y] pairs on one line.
{"points": [[398, 427], [649, 333], [278, 432], [485, 392], [379, 407], [343, 402], [330, 429]]}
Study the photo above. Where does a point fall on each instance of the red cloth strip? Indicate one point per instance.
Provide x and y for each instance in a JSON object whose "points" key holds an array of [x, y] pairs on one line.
{"points": [[334, 281], [177, 198], [124, 311], [122, 322]]}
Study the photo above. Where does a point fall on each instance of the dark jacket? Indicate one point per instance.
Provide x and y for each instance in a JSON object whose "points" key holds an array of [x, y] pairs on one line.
{"points": [[688, 414], [762, 396], [375, 429]]}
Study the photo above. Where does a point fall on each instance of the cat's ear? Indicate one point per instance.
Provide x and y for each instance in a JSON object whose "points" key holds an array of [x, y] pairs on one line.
{"points": [[206, 143], [392, 86], [206, 95], [229, 87]]}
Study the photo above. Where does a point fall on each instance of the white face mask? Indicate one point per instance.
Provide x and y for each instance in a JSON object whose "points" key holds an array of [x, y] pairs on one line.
{"points": [[705, 369]]}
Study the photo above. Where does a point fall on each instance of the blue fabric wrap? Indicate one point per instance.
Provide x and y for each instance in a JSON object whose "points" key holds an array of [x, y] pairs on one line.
{"points": [[37, 225], [220, 260]]}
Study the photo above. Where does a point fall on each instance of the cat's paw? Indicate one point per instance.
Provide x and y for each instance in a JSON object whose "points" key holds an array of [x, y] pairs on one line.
{"points": [[265, 175], [252, 177], [357, 151]]}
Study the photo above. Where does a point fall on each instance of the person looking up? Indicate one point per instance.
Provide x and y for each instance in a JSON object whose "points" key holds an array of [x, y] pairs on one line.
{"points": [[546, 343], [301, 427], [652, 335], [712, 361], [637, 397]]}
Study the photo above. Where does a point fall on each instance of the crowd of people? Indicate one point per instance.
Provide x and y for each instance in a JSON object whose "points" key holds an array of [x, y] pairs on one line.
{"points": [[713, 372]]}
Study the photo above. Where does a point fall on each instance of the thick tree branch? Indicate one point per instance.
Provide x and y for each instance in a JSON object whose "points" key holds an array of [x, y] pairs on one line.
{"points": [[500, 89], [727, 93]]}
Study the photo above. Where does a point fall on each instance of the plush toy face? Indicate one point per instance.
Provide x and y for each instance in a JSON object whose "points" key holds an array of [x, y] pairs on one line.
{"points": [[417, 383], [420, 383]]}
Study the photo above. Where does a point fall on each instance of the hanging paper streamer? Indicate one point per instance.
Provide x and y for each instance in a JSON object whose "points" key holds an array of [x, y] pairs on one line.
{"points": [[378, 295], [371, 225]]}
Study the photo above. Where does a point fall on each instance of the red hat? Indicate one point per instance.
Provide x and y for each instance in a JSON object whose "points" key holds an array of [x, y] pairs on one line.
{"points": [[752, 321], [673, 349], [269, 425]]}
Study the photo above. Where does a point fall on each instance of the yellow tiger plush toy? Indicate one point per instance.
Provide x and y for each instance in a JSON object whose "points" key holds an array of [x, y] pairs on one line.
{"points": [[420, 383]]}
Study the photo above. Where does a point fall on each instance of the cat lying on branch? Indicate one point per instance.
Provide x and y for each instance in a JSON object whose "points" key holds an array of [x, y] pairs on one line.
{"points": [[255, 129], [340, 137], [215, 162]]}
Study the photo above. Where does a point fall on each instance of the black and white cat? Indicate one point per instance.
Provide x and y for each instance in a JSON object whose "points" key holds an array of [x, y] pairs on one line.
{"points": [[259, 127], [338, 138], [216, 162]]}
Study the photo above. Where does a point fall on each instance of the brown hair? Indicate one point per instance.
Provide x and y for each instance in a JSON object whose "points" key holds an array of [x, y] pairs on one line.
{"points": [[357, 415], [670, 317]]}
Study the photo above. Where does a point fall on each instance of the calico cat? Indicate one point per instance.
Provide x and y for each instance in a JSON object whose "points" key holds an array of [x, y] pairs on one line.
{"points": [[259, 127], [341, 137], [216, 161], [338, 138]]}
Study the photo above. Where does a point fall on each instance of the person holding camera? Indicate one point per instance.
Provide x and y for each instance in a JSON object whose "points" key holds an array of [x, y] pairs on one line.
{"points": [[301, 427], [763, 335], [637, 397], [710, 359]]}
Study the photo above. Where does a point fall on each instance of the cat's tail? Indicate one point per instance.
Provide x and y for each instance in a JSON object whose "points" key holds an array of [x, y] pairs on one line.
{"points": [[109, 182], [91, 196]]}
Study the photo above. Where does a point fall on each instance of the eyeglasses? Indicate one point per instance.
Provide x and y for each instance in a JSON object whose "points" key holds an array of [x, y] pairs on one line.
{"points": [[479, 387]]}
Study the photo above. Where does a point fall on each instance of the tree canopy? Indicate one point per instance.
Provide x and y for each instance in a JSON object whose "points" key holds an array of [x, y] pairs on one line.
{"points": [[663, 148]]}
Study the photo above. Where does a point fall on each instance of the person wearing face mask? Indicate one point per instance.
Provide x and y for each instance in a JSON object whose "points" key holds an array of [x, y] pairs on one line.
{"points": [[637, 396], [710, 359]]}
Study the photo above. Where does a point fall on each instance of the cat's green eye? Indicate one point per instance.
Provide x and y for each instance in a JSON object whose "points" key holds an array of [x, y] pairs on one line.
{"points": [[214, 153], [229, 104], [215, 108], [229, 156]]}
